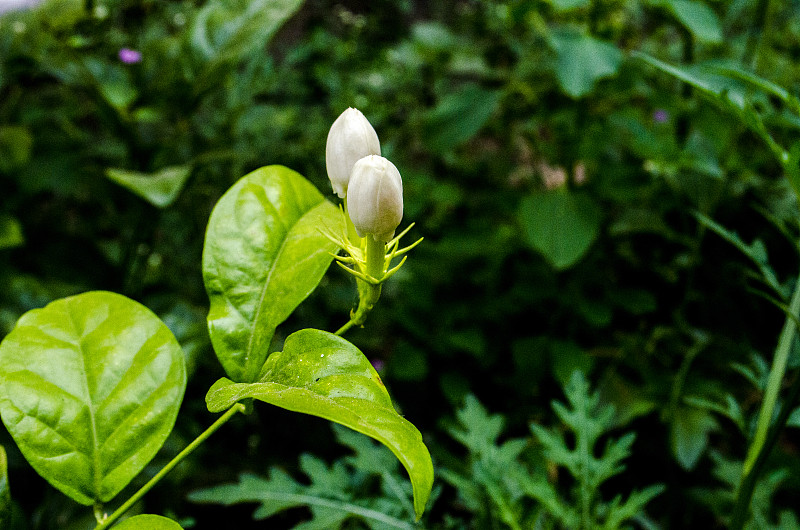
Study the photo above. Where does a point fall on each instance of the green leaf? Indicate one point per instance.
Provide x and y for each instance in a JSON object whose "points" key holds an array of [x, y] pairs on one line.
{"points": [[458, 117], [567, 5], [331, 496], [5, 492], [16, 144], [324, 375], [10, 232], [264, 254], [560, 225], [582, 61], [159, 189], [227, 32], [689, 436], [148, 522], [113, 82], [90, 389], [701, 21], [715, 86]]}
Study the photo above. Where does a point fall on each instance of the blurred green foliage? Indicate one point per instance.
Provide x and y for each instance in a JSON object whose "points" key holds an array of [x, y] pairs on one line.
{"points": [[571, 197]]}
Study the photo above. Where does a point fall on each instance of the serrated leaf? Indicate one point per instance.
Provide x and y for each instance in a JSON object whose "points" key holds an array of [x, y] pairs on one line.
{"points": [[560, 225], [90, 389], [278, 492], [321, 374], [478, 430], [160, 189], [635, 503], [582, 61], [5, 492], [368, 456], [264, 254], [148, 522]]}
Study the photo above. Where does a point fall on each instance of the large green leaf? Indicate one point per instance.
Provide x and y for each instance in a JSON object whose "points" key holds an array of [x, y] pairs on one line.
{"points": [[264, 254], [698, 18], [561, 225], [582, 61], [159, 189], [90, 388], [148, 522], [227, 32], [459, 116], [5, 492], [321, 374]]}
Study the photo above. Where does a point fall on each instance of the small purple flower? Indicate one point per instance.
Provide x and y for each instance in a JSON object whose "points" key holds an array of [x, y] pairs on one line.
{"points": [[660, 116], [129, 56], [378, 364]]}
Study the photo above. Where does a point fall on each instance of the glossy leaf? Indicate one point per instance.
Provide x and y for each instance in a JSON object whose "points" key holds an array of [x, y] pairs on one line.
{"points": [[264, 254], [5, 492], [90, 389], [324, 375], [148, 522], [159, 189], [560, 225]]}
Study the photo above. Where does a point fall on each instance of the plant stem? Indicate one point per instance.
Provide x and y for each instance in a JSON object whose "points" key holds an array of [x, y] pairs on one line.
{"points": [[774, 381], [757, 35], [765, 438], [584, 450], [111, 519], [341, 331], [748, 483]]}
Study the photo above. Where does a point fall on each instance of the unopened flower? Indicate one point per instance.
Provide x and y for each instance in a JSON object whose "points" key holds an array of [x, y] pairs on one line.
{"points": [[350, 139], [375, 198], [129, 56], [660, 116]]}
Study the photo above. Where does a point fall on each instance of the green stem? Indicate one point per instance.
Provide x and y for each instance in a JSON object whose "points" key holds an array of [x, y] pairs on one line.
{"points": [[585, 490], [369, 293], [744, 495], [341, 331], [757, 34], [774, 381], [766, 437], [111, 519]]}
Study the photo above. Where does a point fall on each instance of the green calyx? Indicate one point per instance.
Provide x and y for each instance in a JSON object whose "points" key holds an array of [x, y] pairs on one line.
{"points": [[370, 262]]}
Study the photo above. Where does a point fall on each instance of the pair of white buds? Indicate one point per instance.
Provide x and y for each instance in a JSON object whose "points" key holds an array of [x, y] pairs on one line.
{"points": [[369, 183]]}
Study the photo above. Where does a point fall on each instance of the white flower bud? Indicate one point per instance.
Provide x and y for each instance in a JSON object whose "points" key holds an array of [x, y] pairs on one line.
{"points": [[350, 139], [375, 198]]}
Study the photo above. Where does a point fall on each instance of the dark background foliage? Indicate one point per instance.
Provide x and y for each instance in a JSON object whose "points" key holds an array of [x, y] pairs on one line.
{"points": [[556, 180]]}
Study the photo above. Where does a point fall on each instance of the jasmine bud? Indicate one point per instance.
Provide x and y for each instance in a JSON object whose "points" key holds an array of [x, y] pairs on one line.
{"points": [[375, 198], [351, 138]]}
